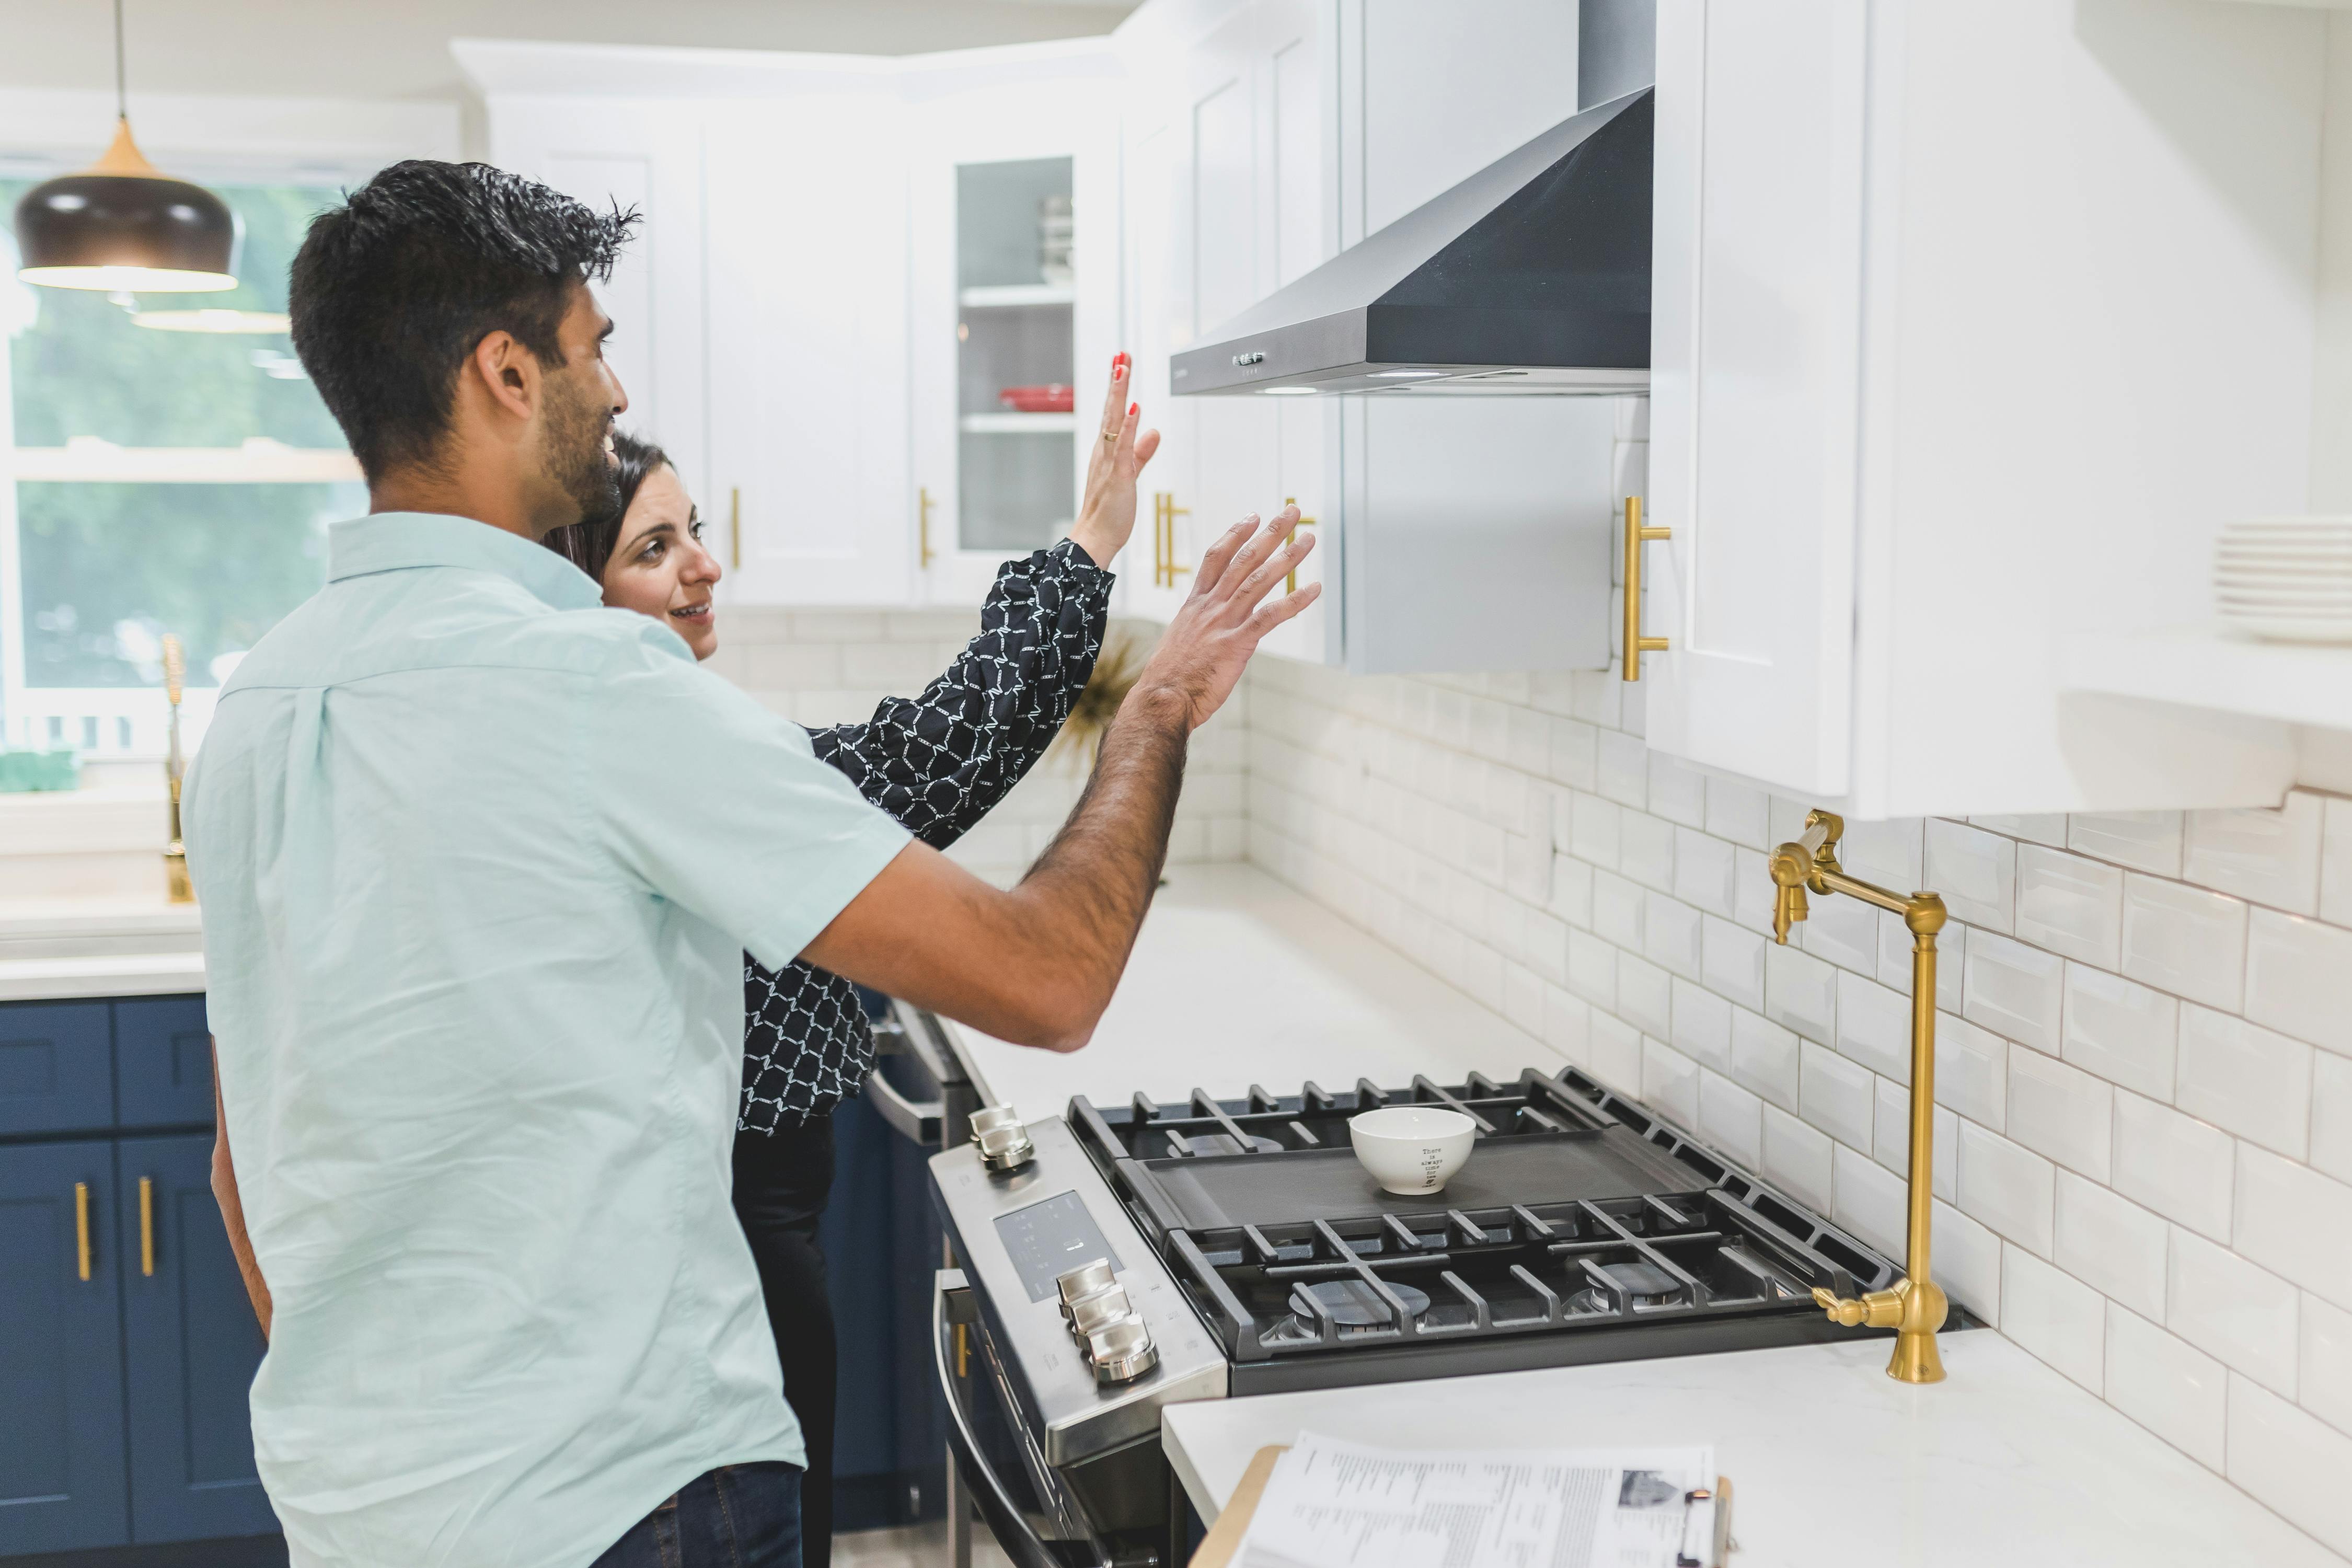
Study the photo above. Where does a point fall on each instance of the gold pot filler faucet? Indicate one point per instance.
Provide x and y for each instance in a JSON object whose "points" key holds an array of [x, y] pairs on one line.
{"points": [[1915, 1309]]}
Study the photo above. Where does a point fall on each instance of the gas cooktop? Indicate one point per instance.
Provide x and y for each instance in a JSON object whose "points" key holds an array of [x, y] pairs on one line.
{"points": [[1583, 1229]]}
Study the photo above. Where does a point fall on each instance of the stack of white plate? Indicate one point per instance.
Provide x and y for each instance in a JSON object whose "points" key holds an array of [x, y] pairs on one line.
{"points": [[2287, 579]]}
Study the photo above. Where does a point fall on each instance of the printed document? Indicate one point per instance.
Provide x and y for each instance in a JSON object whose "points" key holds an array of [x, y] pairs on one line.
{"points": [[1332, 1504]]}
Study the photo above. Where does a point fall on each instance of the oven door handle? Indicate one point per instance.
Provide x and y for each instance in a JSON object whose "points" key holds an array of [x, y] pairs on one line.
{"points": [[1011, 1527], [917, 1120]]}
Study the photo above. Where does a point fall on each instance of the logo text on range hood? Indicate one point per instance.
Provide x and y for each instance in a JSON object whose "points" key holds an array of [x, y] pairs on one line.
{"points": [[1531, 276]]}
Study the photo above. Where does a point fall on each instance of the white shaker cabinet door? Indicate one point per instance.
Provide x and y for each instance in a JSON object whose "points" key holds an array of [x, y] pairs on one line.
{"points": [[808, 352], [1755, 381], [648, 156]]}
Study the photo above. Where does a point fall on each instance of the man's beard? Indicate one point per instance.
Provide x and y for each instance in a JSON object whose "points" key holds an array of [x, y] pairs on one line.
{"points": [[573, 447]]}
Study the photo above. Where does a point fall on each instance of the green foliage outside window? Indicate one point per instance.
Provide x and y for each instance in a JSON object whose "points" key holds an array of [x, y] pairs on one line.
{"points": [[107, 568]]}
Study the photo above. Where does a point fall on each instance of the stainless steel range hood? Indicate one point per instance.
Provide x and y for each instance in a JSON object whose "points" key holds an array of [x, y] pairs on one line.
{"points": [[1531, 276]]}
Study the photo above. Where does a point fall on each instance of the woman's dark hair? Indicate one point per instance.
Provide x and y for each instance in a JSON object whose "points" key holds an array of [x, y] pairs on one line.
{"points": [[391, 291], [588, 543]]}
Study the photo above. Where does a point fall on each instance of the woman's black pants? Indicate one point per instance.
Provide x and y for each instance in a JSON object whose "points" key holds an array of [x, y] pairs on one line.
{"points": [[781, 1180]]}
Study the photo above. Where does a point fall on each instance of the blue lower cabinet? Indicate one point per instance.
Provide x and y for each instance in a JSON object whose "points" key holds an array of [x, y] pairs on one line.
{"points": [[62, 1473], [162, 1062], [190, 1345], [57, 1068]]}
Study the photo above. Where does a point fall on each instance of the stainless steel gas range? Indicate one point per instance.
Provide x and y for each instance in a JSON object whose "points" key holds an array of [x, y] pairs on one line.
{"points": [[1259, 1256]]}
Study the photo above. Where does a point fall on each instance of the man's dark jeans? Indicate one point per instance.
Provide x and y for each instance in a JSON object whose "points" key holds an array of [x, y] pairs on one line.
{"points": [[737, 1516]]}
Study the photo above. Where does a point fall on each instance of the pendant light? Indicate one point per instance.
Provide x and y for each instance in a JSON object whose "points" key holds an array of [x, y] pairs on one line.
{"points": [[124, 225]]}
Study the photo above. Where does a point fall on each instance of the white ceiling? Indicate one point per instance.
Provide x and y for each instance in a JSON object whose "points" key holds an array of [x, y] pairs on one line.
{"points": [[399, 49]]}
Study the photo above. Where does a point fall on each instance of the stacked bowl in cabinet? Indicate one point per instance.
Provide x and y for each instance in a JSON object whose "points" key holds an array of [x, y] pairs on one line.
{"points": [[2287, 579]]}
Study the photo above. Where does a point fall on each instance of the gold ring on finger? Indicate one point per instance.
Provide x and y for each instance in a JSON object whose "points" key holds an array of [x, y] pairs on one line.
{"points": [[1110, 435]]}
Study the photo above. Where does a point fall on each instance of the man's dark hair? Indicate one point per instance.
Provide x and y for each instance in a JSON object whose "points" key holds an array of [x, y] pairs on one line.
{"points": [[589, 542], [392, 289]]}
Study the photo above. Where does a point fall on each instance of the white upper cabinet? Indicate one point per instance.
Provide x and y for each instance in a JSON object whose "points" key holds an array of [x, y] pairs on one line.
{"points": [[1972, 322]]}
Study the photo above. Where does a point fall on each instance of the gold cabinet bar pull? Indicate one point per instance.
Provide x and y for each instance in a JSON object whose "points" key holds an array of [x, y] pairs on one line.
{"points": [[1290, 583], [81, 1228], [1636, 644], [735, 529], [147, 1226], [923, 525], [1164, 513]]}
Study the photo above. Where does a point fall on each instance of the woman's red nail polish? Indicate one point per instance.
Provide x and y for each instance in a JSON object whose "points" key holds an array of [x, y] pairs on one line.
{"points": [[1133, 409]]}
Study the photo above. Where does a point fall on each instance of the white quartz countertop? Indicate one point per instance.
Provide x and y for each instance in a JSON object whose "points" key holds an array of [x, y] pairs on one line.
{"points": [[2004, 1464], [1238, 980], [59, 949]]}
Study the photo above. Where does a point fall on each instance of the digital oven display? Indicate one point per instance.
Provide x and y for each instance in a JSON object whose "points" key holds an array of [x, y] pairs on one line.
{"points": [[1049, 1239]]}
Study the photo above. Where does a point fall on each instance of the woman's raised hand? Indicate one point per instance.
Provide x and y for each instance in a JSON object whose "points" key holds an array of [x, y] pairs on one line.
{"points": [[1107, 511]]}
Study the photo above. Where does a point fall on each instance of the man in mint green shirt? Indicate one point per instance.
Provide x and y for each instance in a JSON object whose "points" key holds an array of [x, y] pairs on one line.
{"points": [[478, 861]]}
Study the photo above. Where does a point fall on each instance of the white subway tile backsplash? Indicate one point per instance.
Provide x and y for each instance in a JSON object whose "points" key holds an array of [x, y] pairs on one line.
{"points": [[1646, 850], [1731, 1118], [2325, 1379], [2143, 840], [1738, 813], [1873, 1026], [2336, 862], [1732, 962], [1836, 1095], [1971, 1072], [2055, 1316], [2185, 941], [2331, 1115], [2295, 1223], [1798, 1157], [2250, 1080], [2070, 904], [2113, 1245], [1705, 873], [2288, 1459], [2121, 1030], [1974, 871], [1670, 1082], [2268, 857], [1765, 1057], [2144, 1021], [2299, 979], [2016, 991], [2179, 1393], [2228, 1308], [1678, 792], [2049, 829], [2182, 1168], [1672, 935], [2060, 1111], [1800, 992], [2008, 1187], [1702, 1026], [1644, 995]]}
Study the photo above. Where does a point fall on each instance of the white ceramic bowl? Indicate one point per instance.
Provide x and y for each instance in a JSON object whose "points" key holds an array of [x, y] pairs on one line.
{"points": [[1412, 1149]]}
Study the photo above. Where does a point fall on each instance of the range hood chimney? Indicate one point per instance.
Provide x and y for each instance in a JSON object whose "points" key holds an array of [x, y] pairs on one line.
{"points": [[1531, 276]]}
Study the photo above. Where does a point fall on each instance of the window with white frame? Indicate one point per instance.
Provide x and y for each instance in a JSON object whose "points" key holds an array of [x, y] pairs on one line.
{"points": [[169, 470]]}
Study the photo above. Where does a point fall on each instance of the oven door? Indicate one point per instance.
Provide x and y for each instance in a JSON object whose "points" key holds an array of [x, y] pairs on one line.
{"points": [[1119, 1509]]}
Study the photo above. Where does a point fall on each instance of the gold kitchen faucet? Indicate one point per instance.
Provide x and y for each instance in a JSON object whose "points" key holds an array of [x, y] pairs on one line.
{"points": [[1914, 1308]]}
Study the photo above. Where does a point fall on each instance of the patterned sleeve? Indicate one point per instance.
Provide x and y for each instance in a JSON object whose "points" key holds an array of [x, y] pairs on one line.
{"points": [[940, 760], [936, 762]]}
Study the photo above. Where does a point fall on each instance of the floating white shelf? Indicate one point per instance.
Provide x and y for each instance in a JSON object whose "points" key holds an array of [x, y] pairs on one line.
{"points": [[1006, 296], [2203, 667], [1021, 424], [260, 461]]}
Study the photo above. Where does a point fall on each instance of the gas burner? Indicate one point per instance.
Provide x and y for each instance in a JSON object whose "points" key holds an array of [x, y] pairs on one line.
{"points": [[1644, 1284], [1352, 1304]]}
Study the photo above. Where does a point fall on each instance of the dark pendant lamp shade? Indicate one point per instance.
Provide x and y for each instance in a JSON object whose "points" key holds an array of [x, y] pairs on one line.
{"points": [[123, 224]]}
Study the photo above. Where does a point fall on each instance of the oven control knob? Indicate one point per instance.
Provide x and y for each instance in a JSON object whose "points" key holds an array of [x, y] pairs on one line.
{"points": [[1121, 1350], [1084, 1281], [1105, 1306], [1004, 1144]]}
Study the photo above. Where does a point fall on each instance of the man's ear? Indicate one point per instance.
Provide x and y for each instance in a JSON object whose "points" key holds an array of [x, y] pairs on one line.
{"points": [[507, 372]]}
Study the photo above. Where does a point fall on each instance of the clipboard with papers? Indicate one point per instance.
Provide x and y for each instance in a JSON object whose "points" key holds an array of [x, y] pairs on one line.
{"points": [[1323, 1503]]}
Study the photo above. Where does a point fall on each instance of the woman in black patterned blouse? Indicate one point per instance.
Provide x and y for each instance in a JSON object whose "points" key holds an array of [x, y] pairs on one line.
{"points": [[936, 762]]}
